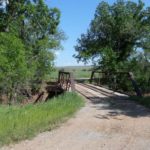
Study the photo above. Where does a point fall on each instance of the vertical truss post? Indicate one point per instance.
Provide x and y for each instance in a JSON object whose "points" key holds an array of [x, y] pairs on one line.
{"points": [[72, 82], [134, 83], [92, 75]]}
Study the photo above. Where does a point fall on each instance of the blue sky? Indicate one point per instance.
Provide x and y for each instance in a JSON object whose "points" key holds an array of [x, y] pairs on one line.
{"points": [[76, 16]]}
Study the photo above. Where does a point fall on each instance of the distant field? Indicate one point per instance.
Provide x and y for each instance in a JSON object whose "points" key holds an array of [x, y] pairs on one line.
{"points": [[78, 71]]}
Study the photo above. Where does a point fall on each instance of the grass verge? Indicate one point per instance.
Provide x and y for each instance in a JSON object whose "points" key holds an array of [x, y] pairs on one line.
{"points": [[145, 101], [18, 123]]}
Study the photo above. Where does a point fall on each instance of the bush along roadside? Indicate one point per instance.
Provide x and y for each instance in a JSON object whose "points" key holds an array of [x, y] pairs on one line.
{"points": [[18, 123]]}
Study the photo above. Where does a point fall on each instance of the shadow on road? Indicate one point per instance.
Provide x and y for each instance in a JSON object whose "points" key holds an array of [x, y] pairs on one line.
{"points": [[118, 106]]}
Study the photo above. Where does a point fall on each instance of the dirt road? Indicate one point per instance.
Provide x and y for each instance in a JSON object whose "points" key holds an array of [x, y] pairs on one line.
{"points": [[103, 124]]}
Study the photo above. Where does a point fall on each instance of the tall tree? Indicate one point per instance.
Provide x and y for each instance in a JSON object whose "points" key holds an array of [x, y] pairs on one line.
{"points": [[115, 33], [31, 28]]}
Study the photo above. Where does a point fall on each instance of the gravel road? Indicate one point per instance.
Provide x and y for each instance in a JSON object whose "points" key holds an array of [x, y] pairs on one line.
{"points": [[103, 124]]}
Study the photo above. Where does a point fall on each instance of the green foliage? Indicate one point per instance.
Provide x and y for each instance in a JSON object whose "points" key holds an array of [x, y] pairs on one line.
{"points": [[13, 67], [18, 123], [141, 68], [116, 35], [120, 27], [29, 34]]}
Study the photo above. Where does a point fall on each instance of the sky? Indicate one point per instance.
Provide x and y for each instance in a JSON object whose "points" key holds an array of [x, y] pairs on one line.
{"points": [[76, 16]]}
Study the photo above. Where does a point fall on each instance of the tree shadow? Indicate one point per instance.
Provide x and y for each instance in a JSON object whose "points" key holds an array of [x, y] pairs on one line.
{"points": [[118, 106]]}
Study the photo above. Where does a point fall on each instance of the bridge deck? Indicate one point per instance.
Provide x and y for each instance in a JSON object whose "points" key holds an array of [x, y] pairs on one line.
{"points": [[102, 90]]}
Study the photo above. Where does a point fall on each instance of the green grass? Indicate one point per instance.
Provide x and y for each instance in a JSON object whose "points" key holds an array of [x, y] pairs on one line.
{"points": [[78, 71], [145, 101], [18, 123]]}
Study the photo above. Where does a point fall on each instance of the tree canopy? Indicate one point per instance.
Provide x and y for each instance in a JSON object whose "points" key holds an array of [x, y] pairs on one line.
{"points": [[29, 34], [116, 33]]}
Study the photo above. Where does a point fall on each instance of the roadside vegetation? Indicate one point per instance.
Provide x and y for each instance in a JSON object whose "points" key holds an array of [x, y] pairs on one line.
{"points": [[29, 37], [117, 41], [24, 122]]}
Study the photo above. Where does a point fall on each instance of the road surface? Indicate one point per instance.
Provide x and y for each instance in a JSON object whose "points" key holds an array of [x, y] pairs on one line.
{"points": [[105, 123]]}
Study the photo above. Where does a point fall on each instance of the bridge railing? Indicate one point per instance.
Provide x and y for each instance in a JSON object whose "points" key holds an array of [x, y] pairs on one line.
{"points": [[117, 81]]}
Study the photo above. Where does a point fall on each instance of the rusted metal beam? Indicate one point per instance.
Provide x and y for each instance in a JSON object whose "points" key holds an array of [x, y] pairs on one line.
{"points": [[66, 80], [72, 82]]}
